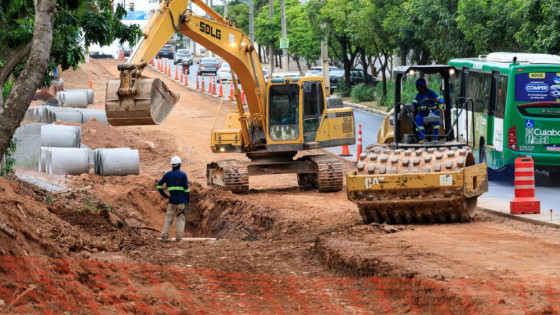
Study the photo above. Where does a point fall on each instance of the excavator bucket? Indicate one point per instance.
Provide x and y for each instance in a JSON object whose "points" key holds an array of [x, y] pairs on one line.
{"points": [[149, 103]]}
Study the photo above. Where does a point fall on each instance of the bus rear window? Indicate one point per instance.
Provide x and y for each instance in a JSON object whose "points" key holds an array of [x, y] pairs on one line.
{"points": [[537, 87]]}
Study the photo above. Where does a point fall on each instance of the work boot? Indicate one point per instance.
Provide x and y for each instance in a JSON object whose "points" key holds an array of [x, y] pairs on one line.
{"points": [[178, 239], [164, 239]]}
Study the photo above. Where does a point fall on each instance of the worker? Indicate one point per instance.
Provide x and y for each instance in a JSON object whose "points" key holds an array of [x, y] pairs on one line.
{"points": [[423, 107], [178, 186]]}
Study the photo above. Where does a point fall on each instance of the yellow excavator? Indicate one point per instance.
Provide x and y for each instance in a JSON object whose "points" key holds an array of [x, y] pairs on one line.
{"points": [[283, 116], [403, 180]]}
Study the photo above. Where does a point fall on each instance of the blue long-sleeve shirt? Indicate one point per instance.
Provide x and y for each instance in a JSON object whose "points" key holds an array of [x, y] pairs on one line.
{"points": [[177, 185], [424, 107]]}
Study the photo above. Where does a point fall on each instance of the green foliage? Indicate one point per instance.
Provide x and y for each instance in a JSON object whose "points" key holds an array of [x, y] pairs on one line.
{"points": [[6, 88], [344, 89], [362, 93], [78, 24], [9, 159], [50, 200]]}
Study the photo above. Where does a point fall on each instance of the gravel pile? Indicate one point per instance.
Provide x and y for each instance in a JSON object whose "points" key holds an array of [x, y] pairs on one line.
{"points": [[42, 184]]}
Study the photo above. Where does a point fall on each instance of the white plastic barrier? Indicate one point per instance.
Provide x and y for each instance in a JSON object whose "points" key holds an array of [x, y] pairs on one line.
{"points": [[116, 162], [43, 160], [71, 161], [61, 136]]}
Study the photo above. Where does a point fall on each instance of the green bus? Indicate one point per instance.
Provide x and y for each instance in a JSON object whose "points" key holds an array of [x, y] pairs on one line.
{"points": [[515, 109]]}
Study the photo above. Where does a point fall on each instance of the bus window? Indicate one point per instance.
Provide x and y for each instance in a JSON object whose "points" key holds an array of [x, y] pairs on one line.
{"points": [[502, 95], [479, 90]]}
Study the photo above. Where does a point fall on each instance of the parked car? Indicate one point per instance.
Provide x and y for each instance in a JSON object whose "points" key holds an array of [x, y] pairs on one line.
{"points": [[356, 76], [183, 54], [224, 73], [286, 75], [100, 55], [167, 51], [317, 71], [208, 65]]}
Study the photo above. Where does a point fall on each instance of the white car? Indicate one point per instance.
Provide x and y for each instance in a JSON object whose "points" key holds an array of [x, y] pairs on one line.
{"points": [[224, 73]]}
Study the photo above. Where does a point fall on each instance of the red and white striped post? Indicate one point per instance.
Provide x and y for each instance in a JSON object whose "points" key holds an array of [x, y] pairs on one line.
{"points": [[359, 147], [524, 200]]}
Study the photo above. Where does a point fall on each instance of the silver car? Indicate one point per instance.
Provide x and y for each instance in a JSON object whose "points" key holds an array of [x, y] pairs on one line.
{"points": [[208, 65], [183, 55]]}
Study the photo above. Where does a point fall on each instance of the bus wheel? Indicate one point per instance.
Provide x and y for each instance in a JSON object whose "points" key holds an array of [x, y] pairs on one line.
{"points": [[482, 151]]}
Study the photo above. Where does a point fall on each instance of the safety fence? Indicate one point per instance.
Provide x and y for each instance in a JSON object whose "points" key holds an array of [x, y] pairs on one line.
{"points": [[46, 286]]}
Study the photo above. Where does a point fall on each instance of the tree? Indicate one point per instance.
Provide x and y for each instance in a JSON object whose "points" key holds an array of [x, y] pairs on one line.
{"points": [[34, 38]]}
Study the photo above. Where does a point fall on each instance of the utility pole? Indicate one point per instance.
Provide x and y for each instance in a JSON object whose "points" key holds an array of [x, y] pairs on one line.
{"points": [[325, 60], [225, 8], [271, 48], [284, 41], [251, 25]]}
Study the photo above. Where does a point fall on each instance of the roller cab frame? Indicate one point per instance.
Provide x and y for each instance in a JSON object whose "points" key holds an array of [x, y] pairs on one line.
{"points": [[399, 180]]}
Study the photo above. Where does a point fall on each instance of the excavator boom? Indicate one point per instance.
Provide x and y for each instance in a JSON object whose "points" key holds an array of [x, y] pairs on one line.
{"points": [[134, 100]]}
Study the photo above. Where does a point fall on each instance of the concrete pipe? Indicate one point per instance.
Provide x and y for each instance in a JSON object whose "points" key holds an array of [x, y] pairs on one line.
{"points": [[61, 136], [43, 160], [75, 99], [73, 116], [71, 161], [117, 162], [89, 94], [88, 114], [59, 97]]}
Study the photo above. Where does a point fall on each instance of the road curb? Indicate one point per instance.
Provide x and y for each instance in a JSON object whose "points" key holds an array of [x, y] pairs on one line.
{"points": [[365, 108], [518, 218]]}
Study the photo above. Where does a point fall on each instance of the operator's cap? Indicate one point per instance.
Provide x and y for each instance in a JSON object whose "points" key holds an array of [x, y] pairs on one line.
{"points": [[421, 82], [175, 160]]}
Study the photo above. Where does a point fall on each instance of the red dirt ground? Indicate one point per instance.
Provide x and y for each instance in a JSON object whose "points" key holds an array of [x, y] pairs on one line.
{"points": [[93, 250]]}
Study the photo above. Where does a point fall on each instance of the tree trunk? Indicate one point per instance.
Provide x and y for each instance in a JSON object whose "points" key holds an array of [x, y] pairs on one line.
{"points": [[365, 64], [13, 109]]}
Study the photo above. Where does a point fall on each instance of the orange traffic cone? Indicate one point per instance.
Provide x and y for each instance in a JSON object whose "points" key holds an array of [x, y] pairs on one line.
{"points": [[231, 93], [91, 80], [345, 151], [243, 97], [221, 90], [176, 75], [203, 89], [214, 86], [181, 78], [359, 148], [121, 54], [197, 84], [152, 62], [186, 80]]}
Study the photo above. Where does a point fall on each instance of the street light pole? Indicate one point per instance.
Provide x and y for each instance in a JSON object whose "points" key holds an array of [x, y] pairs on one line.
{"points": [[284, 36], [271, 48]]}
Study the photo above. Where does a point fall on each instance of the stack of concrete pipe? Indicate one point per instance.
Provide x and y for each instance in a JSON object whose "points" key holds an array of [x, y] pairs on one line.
{"points": [[116, 162], [56, 137], [71, 161], [75, 98], [50, 114]]}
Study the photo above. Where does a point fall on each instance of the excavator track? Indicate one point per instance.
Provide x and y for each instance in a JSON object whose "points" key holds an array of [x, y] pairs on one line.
{"points": [[228, 174], [329, 176], [424, 205]]}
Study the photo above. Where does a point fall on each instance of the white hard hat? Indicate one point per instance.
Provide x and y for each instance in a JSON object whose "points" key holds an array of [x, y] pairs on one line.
{"points": [[175, 160]]}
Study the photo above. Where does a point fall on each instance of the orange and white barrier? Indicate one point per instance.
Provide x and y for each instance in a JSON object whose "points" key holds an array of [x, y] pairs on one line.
{"points": [[524, 200]]}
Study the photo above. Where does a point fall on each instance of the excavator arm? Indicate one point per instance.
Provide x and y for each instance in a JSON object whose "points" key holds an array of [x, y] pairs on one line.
{"points": [[136, 100]]}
